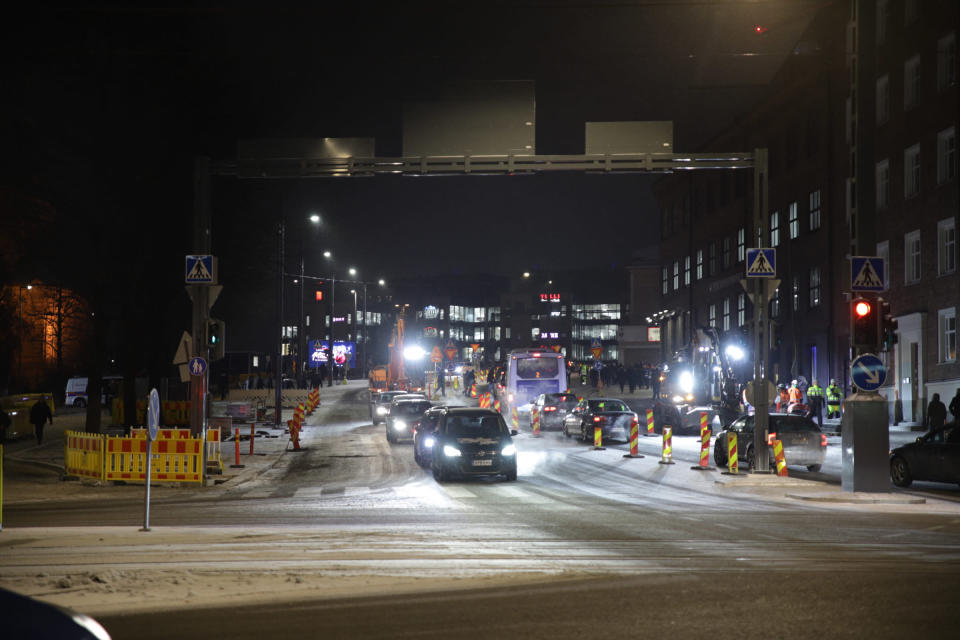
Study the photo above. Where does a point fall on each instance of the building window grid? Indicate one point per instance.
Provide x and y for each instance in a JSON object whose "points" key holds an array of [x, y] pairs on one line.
{"points": [[911, 82], [947, 61], [741, 244], [814, 202], [883, 99], [775, 304], [883, 184], [686, 271], [794, 218], [911, 171], [882, 17], [713, 258], [947, 323], [713, 315], [796, 293], [676, 275], [741, 310], [699, 264], [666, 280], [775, 229], [946, 155], [911, 253], [726, 314], [726, 252], [814, 287], [946, 246]]}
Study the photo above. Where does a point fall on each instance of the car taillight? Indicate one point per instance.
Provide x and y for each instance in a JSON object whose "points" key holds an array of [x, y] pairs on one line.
{"points": [[823, 439], [770, 438], [549, 408], [598, 418]]}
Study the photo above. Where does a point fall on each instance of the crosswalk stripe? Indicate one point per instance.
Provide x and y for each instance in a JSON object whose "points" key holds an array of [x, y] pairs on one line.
{"points": [[308, 492]]}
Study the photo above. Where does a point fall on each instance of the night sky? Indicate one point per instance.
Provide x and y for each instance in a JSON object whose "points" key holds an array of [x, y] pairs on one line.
{"points": [[105, 109]]}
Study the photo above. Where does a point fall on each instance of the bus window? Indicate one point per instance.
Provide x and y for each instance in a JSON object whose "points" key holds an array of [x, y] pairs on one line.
{"points": [[530, 368]]}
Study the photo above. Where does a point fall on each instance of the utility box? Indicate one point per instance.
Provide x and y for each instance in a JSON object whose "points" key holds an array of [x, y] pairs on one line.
{"points": [[866, 443]]}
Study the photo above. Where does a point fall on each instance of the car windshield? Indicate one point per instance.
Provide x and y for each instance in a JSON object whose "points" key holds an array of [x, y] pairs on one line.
{"points": [[480, 426], [607, 405], [561, 398], [529, 368], [411, 408]]}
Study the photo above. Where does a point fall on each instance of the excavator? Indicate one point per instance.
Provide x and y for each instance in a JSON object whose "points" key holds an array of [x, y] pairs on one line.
{"points": [[698, 379], [396, 369]]}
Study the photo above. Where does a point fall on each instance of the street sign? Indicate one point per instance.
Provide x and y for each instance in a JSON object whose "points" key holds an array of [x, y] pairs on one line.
{"points": [[768, 286], [868, 372], [451, 351], [199, 270], [153, 414], [866, 273], [198, 366], [761, 263], [474, 346], [596, 348], [436, 355], [751, 395]]}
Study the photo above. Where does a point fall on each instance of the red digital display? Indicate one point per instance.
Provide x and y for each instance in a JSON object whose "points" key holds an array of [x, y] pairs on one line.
{"points": [[549, 297]]}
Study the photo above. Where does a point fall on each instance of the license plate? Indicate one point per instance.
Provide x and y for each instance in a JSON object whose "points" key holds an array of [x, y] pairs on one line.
{"points": [[483, 463]]}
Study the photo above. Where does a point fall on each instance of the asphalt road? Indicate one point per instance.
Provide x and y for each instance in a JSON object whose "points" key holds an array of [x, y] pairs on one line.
{"points": [[603, 546]]}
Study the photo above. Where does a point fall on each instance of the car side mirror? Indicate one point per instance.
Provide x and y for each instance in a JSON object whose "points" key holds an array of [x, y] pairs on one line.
{"points": [[920, 439], [514, 432]]}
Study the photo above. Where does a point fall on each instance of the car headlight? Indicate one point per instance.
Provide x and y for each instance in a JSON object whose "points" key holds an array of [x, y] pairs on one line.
{"points": [[678, 399], [428, 442], [381, 411], [686, 382], [399, 425], [451, 452], [509, 450]]}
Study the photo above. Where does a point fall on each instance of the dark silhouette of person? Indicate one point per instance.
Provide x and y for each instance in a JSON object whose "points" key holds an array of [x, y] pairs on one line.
{"points": [[936, 418], [39, 415]]}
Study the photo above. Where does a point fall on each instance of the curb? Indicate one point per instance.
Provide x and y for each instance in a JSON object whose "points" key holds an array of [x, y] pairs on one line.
{"points": [[857, 498]]}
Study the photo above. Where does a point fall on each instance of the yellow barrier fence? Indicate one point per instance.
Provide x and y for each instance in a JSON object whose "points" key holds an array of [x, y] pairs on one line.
{"points": [[83, 455], [175, 458]]}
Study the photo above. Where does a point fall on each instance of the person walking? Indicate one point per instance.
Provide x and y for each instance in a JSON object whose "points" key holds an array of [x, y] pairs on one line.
{"points": [[442, 381], [39, 415], [834, 396], [955, 408], [936, 418], [815, 401]]}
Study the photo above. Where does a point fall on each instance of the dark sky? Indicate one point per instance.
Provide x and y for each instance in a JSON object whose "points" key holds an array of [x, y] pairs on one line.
{"points": [[105, 108]]}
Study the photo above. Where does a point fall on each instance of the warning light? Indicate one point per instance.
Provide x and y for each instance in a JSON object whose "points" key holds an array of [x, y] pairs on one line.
{"points": [[861, 308], [759, 28], [866, 328], [319, 296]]}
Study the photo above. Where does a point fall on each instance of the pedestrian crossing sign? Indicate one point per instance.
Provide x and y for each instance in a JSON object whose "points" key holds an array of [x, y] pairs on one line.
{"points": [[867, 273], [761, 263], [199, 270]]}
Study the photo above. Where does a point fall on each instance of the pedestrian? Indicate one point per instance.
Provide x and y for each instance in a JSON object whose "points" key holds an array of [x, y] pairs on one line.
{"points": [[782, 398], [936, 418], [621, 377], [39, 415], [955, 407], [654, 377], [834, 396], [442, 381], [815, 401]]}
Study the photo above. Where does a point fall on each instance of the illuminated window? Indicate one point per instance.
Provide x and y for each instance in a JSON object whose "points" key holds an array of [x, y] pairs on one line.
{"points": [[814, 204], [794, 218], [775, 229], [883, 184], [946, 155], [699, 264], [814, 287], [947, 324], [741, 244], [911, 171]]}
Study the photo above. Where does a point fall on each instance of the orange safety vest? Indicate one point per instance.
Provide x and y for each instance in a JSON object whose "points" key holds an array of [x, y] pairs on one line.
{"points": [[795, 394]]}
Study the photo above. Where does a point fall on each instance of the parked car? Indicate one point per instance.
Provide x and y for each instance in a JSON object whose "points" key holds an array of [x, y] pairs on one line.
{"points": [[404, 417], [27, 617], [473, 442], [553, 408], [75, 394], [613, 416], [803, 443], [380, 407], [424, 435], [927, 460]]}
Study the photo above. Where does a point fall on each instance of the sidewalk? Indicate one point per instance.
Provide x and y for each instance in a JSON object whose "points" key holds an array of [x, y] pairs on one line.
{"points": [[34, 473]]}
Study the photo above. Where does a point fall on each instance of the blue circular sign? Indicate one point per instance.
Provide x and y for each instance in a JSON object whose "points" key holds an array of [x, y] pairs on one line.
{"points": [[198, 366], [868, 372], [153, 414]]}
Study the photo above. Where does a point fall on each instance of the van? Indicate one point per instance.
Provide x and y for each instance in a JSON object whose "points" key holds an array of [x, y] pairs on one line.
{"points": [[76, 391]]}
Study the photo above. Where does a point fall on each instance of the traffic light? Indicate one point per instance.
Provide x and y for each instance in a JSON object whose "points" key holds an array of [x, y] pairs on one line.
{"points": [[319, 295], [215, 338], [865, 324], [888, 326]]}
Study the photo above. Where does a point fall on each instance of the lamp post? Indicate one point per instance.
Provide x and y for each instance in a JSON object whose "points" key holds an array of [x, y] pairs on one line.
{"points": [[355, 340], [20, 335]]}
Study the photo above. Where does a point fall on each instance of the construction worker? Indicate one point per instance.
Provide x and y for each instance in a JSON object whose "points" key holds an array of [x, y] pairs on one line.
{"points": [[815, 401], [794, 394], [782, 397], [834, 397]]}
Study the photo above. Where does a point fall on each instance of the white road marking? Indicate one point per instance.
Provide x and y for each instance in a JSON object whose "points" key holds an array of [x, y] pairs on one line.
{"points": [[454, 491], [308, 492], [356, 491]]}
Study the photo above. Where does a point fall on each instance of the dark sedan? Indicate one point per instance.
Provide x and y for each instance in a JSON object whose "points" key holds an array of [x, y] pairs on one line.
{"points": [[803, 442], [424, 436], [613, 417], [927, 460], [552, 409], [473, 442]]}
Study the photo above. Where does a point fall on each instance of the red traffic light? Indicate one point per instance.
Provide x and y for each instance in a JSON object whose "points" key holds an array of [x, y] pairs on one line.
{"points": [[862, 308], [319, 295]]}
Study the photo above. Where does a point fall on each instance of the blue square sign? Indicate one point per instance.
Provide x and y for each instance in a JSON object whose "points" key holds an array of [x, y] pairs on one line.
{"points": [[866, 273], [199, 270], [761, 263]]}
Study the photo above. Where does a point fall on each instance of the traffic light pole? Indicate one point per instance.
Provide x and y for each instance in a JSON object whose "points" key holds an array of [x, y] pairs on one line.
{"points": [[199, 294], [761, 422]]}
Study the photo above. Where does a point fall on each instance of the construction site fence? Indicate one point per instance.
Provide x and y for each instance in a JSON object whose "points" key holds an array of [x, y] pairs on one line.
{"points": [[176, 456]]}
